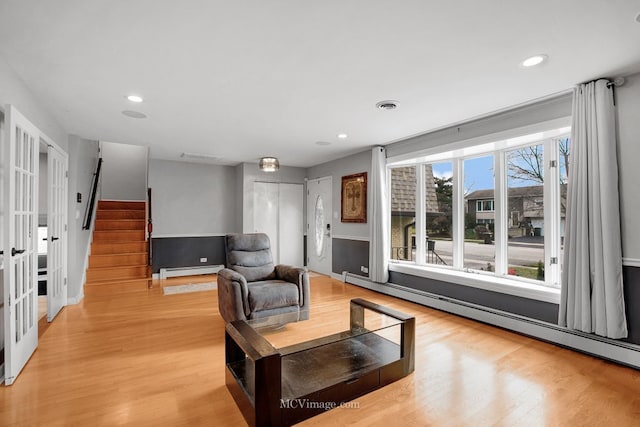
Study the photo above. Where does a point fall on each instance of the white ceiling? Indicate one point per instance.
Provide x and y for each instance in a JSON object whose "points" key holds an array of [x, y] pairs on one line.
{"points": [[243, 79]]}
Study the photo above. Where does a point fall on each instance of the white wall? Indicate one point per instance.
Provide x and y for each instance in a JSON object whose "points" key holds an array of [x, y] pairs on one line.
{"points": [[628, 108], [124, 171], [356, 163], [83, 158], [192, 199], [550, 109], [14, 92]]}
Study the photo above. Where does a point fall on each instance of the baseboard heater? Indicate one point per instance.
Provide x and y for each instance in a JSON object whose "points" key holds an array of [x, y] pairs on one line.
{"points": [[189, 271], [616, 351]]}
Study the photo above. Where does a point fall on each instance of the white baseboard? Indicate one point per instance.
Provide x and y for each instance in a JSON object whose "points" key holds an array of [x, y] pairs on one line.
{"points": [[617, 351], [631, 262], [75, 300], [189, 271]]}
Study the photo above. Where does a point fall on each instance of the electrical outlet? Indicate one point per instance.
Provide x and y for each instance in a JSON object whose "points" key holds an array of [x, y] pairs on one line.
{"points": [[203, 260], [364, 269]]}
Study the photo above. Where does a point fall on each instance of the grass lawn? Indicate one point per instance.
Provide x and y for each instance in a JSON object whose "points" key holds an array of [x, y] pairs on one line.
{"points": [[528, 272]]}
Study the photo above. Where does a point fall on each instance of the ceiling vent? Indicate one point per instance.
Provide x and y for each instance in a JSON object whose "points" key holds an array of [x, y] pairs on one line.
{"points": [[387, 105], [134, 114], [199, 156]]}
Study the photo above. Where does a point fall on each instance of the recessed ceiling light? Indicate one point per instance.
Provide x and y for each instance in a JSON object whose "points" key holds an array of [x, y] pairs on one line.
{"points": [[534, 60], [342, 135], [638, 17], [134, 114], [134, 98], [387, 105], [323, 143]]}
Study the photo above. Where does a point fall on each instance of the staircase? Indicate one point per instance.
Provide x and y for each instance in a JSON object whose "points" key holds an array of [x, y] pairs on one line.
{"points": [[119, 249]]}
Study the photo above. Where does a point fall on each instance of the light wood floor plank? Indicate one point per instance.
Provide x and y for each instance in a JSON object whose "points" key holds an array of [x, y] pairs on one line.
{"points": [[140, 358]]}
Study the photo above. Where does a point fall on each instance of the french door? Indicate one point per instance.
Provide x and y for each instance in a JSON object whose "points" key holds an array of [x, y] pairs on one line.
{"points": [[56, 232], [319, 213], [20, 164]]}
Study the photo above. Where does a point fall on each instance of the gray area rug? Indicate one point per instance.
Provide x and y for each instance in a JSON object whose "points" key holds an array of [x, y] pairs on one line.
{"points": [[190, 287]]}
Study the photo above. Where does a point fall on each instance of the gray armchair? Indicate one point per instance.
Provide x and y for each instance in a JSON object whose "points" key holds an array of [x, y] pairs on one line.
{"points": [[252, 287]]}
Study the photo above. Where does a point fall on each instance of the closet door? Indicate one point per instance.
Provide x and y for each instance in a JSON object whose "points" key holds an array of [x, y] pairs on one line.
{"points": [[291, 224], [277, 211], [265, 213]]}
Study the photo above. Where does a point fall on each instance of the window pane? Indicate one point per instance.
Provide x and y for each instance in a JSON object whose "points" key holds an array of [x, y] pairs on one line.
{"points": [[439, 212], [525, 212], [479, 250], [563, 160], [403, 217]]}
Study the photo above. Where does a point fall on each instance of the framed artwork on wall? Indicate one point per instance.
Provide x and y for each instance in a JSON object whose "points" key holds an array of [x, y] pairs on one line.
{"points": [[354, 198]]}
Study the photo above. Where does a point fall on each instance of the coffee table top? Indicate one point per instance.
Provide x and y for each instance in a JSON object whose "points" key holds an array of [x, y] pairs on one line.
{"points": [[323, 326]]}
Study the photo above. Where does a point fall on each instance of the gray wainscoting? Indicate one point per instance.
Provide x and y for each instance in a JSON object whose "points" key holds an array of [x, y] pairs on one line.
{"points": [[172, 252], [350, 255], [631, 277], [540, 310]]}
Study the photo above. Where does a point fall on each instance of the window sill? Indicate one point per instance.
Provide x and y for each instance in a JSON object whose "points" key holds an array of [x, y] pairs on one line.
{"points": [[481, 281]]}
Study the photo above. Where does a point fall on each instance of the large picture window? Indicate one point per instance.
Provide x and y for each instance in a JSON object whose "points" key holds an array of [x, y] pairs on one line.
{"points": [[494, 208]]}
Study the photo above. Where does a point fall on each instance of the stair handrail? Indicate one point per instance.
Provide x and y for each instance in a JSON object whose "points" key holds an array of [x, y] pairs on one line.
{"points": [[88, 215]]}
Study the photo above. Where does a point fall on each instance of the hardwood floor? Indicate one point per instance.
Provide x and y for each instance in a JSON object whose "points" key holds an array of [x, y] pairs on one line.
{"points": [[136, 357]]}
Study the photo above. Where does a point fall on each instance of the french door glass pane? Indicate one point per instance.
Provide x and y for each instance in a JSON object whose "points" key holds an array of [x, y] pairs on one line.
{"points": [[525, 212], [479, 250], [403, 213]]}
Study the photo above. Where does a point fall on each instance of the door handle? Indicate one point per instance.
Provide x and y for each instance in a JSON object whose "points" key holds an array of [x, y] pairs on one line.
{"points": [[53, 239], [15, 251]]}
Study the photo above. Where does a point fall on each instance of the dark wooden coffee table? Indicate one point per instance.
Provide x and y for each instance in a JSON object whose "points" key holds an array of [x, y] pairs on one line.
{"points": [[281, 373]]}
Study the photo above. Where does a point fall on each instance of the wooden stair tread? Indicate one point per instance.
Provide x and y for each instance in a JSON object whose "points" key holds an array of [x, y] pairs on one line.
{"points": [[121, 204], [120, 253], [120, 281], [116, 269]]}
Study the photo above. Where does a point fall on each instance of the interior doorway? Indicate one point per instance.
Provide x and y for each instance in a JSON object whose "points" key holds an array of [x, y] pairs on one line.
{"points": [[43, 183], [319, 214]]}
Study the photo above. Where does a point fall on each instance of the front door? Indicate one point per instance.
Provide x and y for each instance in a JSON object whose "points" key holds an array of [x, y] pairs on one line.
{"points": [[20, 242], [319, 213], [56, 233]]}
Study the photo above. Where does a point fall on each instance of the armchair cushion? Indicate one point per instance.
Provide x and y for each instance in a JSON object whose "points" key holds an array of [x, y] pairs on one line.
{"points": [[250, 255], [272, 294]]}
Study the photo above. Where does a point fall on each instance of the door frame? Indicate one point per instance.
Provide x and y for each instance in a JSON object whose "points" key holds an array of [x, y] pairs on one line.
{"points": [[310, 207], [53, 310]]}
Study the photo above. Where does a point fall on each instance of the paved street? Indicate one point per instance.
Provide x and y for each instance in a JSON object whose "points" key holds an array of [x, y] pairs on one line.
{"points": [[477, 255]]}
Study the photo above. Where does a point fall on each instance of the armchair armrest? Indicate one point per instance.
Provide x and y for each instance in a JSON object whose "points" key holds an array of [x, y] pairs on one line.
{"points": [[300, 277], [233, 299]]}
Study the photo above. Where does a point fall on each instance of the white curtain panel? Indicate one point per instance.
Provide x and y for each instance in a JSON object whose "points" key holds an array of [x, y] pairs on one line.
{"points": [[592, 297], [378, 221]]}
